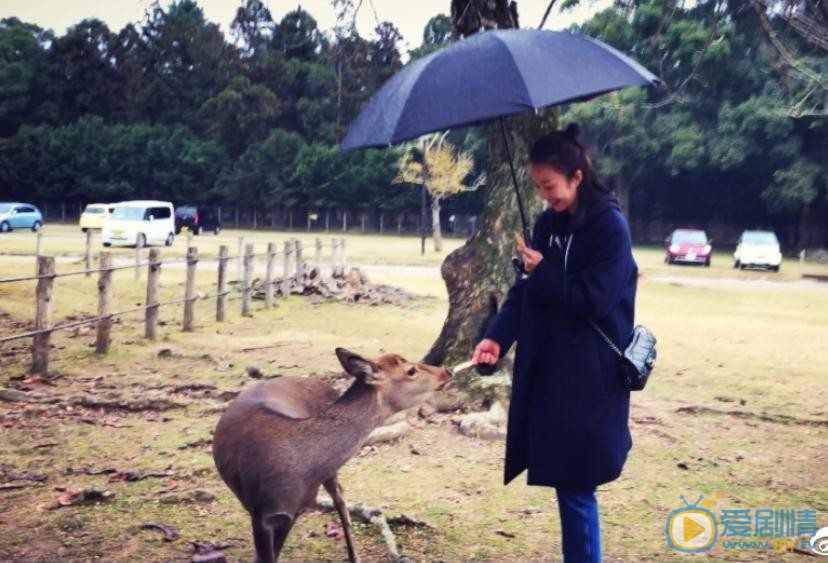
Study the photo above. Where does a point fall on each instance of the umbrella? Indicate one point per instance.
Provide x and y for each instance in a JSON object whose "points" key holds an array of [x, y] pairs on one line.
{"points": [[492, 75]]}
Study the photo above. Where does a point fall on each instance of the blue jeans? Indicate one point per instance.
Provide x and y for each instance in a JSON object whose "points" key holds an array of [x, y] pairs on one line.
{"points": [[580, 526]]}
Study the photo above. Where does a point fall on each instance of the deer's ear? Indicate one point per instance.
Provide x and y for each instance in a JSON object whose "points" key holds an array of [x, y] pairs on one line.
{"points": [[358, 366]]}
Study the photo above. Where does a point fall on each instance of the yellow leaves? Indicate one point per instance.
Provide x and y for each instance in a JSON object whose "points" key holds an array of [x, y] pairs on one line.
{"points": [[446, 169]]}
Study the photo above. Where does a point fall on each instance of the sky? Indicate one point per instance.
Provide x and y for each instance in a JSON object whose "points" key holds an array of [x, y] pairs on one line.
{"points": [[409, 16]]}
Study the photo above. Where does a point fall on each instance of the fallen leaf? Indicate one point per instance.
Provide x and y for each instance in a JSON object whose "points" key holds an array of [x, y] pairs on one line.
{"points": [[82, 496], [170, 534], [207, 552], [334, 530]]}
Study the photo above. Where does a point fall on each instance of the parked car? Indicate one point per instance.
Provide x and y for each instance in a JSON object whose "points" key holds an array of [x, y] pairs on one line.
{"points": [[689, 246], [758, 249], [140, 223], [196, 219], [19, 216], [95, 216]]}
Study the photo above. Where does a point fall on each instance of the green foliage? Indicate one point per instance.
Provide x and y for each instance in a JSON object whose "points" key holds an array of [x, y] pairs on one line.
{"points": [[438, 33], [22, 56], [723, 138], [171, 108]]}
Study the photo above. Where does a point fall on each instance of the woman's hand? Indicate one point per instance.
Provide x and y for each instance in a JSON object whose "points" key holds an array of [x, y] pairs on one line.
{"points": [[531, 258], [486, 352]]}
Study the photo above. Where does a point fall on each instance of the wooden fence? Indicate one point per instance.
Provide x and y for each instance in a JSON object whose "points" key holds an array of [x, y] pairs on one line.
{"points": [[294, 266]]}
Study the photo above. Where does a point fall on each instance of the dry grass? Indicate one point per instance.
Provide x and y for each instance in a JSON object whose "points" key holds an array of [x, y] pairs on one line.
{"points": [[750, 354]]}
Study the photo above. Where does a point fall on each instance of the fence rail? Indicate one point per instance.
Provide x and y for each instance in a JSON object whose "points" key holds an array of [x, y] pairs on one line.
{"points": [[293, 268]]}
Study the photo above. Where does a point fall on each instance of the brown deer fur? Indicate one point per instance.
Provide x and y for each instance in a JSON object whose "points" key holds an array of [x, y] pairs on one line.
{"points": [[279, 440]]}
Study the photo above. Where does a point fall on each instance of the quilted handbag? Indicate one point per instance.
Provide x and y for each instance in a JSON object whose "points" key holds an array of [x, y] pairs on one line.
{"points": [[637, 359]]}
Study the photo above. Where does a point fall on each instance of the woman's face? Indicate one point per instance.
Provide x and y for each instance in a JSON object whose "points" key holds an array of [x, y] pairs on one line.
{"points": [[560, 192]]}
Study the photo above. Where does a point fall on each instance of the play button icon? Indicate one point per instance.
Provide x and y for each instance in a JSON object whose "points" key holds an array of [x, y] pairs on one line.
{"points": [[691, 529]]}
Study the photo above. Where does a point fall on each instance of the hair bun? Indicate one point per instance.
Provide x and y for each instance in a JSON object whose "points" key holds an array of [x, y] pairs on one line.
{"points": [[572, 132]]}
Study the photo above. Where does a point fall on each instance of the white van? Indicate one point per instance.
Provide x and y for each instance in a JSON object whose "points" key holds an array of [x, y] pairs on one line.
{"points": [[140, 223]]}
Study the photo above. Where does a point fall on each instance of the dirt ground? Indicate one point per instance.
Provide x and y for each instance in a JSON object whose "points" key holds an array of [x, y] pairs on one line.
{"points": [[735, 407]]}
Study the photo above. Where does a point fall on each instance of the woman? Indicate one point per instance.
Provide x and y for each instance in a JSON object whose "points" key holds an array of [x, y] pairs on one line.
{"points": [[569, 409]]}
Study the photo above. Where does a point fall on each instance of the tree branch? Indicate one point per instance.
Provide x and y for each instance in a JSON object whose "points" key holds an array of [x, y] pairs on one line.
{"points": [[546, 14], [784, 52]]}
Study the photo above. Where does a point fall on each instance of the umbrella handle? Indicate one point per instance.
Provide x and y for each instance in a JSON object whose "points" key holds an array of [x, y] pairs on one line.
{"points": [[524, 228]]}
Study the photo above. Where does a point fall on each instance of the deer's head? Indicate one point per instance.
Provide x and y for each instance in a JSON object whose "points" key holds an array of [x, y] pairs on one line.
{"points": [[399, 383]]}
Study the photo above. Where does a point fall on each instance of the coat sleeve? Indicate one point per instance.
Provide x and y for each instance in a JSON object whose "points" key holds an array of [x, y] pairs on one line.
{"points": [[596, 289], [506, 326]]}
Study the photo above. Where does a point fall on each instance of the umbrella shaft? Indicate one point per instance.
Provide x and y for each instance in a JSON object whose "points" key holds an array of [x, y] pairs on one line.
{"points": [[524, 228]]}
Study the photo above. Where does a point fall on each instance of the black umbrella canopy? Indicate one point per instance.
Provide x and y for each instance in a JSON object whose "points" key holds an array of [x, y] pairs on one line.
{"points": [[490, 75]]}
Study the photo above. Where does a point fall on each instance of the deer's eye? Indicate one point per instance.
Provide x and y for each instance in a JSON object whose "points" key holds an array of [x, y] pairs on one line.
{"points": [[412, 371]]}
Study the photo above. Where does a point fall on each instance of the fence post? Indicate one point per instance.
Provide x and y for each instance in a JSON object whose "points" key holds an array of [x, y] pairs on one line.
{"points": [[104, 323], [239, 259], [247, 280], [286, 270], [342, 260], [190, 292], [151, 312], [43, 314], [300, 269], [319, 255], [87, 256], [222, 283], [271, 259], [138, 247], [334, 246], [38, 249]]}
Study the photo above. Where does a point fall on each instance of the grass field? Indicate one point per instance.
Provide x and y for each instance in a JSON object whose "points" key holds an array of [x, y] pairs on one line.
{"points": [[736, 407]]}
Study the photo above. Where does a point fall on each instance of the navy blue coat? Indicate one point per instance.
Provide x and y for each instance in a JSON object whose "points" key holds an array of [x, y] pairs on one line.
{"points": [[568, 417]]}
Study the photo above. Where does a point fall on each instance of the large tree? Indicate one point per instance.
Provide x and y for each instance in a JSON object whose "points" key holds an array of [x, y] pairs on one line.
{"points": [[479, 274], [22, 59]]}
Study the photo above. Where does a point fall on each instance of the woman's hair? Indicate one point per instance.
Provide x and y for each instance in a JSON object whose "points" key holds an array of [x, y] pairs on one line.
{"points": [[563, 151]]}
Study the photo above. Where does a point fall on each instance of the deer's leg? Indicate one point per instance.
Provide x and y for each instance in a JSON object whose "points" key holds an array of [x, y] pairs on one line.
{"points": [[281, 526], [335, 490], [262, 538]]}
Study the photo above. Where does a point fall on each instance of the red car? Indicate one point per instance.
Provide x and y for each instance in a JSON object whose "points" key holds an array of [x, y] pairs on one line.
{"points": [[689, 246]]}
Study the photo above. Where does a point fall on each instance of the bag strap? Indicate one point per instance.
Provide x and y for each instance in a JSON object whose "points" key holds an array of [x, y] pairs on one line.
{"points": [[606, 338]]}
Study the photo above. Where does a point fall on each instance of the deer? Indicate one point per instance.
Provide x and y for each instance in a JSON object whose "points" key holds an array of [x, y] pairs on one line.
{"points": [[279, 441]]}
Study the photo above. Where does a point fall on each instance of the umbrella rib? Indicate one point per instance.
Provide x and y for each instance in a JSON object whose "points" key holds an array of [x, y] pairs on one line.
{"points": [[437, 55], [531, 103]]}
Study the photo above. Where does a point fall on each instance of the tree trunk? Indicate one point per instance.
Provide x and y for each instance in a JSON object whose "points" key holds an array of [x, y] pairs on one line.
{"points": [[479, 274], [435, 224], [810, 233]]}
